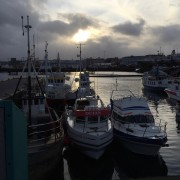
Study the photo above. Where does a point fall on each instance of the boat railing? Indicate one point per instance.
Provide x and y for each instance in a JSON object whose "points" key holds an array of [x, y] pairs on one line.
{"points": [[132, 128], [119, 95], [93, 125], [42, 134]]}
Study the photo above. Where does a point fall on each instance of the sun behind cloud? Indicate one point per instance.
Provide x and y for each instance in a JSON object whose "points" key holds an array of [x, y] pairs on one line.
{"points": [[81, 36]]}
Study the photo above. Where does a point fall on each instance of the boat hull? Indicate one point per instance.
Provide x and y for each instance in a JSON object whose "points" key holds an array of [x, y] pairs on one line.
{"points": [[172, 94], [139, 145], [92, 146], [154, 88]]}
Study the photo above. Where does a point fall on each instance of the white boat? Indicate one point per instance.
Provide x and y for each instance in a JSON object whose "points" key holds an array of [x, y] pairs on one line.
{"points": [[44, 126], [56, 86], [134, 125], [88, 126], [156, 80], [173, 90], [85, 88]]}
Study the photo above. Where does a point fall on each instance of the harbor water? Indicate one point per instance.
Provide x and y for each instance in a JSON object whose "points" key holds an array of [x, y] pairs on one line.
{"points": [[118, 163]]}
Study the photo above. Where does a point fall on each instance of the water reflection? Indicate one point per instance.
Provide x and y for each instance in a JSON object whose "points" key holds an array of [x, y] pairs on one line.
{"points": [[131, 165], [155, 98], [82, 167], [178, 123], [150, 95], [57, 173]]}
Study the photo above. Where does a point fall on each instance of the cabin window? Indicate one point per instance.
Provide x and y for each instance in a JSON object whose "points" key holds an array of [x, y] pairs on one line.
{"points": [[139, 119], [85, 102]]}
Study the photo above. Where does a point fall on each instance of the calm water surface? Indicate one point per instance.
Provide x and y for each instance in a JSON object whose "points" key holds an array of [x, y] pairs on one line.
{"points": [[162, 109], [118, 163]]}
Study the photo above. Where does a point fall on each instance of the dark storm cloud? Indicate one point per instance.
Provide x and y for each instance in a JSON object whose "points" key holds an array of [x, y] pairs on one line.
{"points": [[166, 34], [70, 26], [129, 28], [10, 20], [11, 12]]}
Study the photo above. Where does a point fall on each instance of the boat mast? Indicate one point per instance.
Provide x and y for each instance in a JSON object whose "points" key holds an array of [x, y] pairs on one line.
{"points": [[28, 27], [59, 63], [34, 49], [79, 55], [46, 60]]}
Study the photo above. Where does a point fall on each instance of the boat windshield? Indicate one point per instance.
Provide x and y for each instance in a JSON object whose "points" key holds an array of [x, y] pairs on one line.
{"points": [[134, 118], [139, 119]]}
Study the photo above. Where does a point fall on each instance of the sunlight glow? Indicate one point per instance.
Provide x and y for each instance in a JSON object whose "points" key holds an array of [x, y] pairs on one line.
{"points": [[81, 36]]}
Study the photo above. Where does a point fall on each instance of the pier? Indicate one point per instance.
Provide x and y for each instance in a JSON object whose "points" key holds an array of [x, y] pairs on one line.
{"points": [[115, 75]]}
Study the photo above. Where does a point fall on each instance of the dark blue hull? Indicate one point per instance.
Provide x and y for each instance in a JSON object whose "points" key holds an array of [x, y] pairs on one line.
{"points": [[140, 145]]}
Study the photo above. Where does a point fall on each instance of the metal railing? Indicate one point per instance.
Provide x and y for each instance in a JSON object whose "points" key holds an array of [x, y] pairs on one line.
{"points": [[42, 134]]}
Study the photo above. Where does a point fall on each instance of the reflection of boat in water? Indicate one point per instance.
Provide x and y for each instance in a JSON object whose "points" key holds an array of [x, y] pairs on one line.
{"points": [[134, 125], [83, 167], [45, 133], [88, 126], [178, 123], [130, 165], [152, 96]]}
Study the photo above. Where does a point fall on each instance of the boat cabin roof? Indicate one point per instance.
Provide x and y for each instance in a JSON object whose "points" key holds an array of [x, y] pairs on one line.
{"points": [[131, 106]]}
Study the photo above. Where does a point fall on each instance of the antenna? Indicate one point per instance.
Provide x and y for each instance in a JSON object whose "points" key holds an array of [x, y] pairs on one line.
{"points": [[79, 55], [22, 25]]}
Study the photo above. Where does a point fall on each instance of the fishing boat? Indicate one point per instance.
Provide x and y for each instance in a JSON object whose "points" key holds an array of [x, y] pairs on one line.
{"points": [[45, 132], [56, 87], [134, 125], [88, 126], [84, 88], [173, 90], [156, 80]]}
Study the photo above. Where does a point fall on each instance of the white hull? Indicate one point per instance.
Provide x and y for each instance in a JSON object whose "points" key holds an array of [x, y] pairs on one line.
{"points": [[156, 80], [93, 146]]}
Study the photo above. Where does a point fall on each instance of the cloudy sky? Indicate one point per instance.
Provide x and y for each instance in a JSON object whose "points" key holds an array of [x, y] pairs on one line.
{"points": [[107, 28]]}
